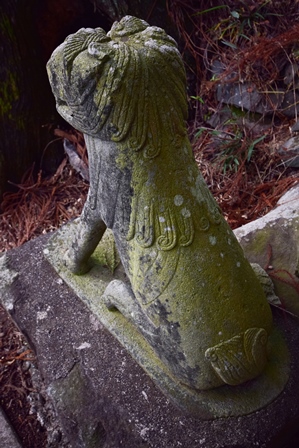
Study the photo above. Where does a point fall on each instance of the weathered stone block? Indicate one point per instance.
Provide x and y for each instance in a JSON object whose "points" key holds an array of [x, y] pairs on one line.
{"points": [[273, 242], [101, 394]]}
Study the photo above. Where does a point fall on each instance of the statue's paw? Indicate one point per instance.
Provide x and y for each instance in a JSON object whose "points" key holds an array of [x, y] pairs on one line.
{"points": [[118, 296], [108, 300]]}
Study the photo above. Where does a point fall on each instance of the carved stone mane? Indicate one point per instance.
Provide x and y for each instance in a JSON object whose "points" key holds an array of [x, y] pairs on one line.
{"points": [[191, 293], [118, 94]]}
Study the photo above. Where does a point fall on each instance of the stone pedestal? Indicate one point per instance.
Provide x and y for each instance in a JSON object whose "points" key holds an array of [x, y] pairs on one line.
{"points": [[101, 396]]}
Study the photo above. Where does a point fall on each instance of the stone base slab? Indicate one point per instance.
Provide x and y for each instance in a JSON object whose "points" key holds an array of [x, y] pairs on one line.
{"points": [[102, 397], [226, 401]]}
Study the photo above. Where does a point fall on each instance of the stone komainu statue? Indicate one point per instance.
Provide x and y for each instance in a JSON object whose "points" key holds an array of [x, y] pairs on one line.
{"points": [[191, 292]]}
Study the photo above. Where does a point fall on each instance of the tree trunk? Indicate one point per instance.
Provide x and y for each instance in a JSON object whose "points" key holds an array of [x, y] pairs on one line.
{"points": [[29, 31], [24, 102]]}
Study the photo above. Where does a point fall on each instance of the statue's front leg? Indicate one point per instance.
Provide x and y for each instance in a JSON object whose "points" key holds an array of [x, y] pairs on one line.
{"points": [[84, 238], [87, 230]]}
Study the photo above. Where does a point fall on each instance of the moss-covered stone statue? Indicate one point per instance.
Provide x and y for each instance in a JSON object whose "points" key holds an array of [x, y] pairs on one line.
{"points": [[188, 288]]}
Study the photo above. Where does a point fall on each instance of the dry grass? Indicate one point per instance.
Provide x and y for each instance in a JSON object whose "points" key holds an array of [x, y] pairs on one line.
{"points": [[41, 204], [254, 187]]}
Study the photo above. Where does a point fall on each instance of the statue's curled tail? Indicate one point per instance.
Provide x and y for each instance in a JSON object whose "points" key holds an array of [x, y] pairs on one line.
{"points": [[241, 358]]}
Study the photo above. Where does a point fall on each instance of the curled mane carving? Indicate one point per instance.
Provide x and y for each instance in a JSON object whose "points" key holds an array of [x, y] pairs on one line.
{"points": [[127, 99]]}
